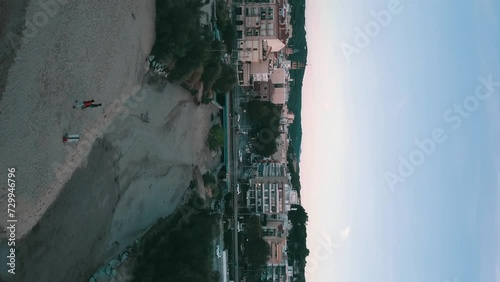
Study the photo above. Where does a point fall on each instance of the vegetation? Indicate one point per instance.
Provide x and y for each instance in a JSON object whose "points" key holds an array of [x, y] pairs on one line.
{"points": [[179, 248], [185, 46], [205, 99], [209, 179], [256, 249], [179, 36], [226, 80], [297, 41], [291, 168], [192, 184], [215, 137], [224, 24], [297, 249], [265, 117], [211, 72]]}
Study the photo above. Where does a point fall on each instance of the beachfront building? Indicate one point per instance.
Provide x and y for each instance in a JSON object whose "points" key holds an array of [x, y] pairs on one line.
{"points": [[266, 195], [271, 195], [262, 29]]}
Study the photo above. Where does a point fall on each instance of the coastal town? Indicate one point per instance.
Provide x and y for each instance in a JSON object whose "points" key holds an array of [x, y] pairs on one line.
{"points": [[260, 179]]}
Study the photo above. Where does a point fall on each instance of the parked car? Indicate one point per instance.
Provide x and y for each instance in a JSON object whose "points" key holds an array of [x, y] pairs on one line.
{"points": [[238, 190], [218, 251]]}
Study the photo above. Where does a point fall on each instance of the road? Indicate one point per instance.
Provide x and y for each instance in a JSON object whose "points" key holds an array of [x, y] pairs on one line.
{"points": [[232, 176], [232, 109]]}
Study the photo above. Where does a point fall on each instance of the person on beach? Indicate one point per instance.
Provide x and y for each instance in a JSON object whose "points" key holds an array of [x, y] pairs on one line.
{"points": [[86, 104], [83, 105]]}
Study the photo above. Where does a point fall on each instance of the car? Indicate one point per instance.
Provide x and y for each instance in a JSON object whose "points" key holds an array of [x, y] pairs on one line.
{"points": [[218, 252], [238, 188], [239, 117], [240, 155], [238, 227]]}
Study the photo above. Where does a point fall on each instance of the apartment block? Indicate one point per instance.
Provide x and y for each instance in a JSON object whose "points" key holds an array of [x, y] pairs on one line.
{"points": [[275, 233], [266, 195], [271, 195], [262, 30], [270, 169]]}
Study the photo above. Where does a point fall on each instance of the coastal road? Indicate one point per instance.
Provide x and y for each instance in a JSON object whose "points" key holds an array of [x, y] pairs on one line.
{"points": [[232, 175]]}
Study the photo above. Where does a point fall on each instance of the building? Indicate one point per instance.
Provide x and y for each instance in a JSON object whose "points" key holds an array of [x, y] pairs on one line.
{"points": [[270, 169], [257, 28], [275, 233], [267, 195], [297, 65]]}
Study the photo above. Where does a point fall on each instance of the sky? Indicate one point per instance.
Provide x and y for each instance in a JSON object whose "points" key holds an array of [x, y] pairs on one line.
{"points": [[400, 161]]}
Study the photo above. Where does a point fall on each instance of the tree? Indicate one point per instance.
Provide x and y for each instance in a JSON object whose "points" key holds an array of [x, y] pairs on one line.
{"points": [[257, 252], [226, 80], [298, 215], [179, 248], [209, 179], [265, 117], [254, 228], [263, 112], [264, 141], [297, 236], [211, 72], [215, 137]]}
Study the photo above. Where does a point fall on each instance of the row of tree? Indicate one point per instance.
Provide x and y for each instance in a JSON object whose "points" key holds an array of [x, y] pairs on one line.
{"points": [[297, 248]]}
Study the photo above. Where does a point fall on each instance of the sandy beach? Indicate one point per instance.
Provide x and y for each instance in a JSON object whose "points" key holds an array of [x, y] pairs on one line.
{"points": [[92, 50], [79, 204]]}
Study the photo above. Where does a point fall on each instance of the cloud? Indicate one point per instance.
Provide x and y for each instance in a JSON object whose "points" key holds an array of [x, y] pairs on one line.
{"points": [[345, 233]]}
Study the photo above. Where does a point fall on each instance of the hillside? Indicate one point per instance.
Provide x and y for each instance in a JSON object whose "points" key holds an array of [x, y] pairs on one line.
{"points": [[298, 41]]}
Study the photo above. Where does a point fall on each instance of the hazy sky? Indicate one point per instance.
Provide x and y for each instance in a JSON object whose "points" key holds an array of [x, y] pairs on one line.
{"points": [[400, 163]]}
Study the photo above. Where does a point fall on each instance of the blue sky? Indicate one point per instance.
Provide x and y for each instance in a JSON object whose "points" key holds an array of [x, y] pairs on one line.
{"points": [[360, 116]]}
